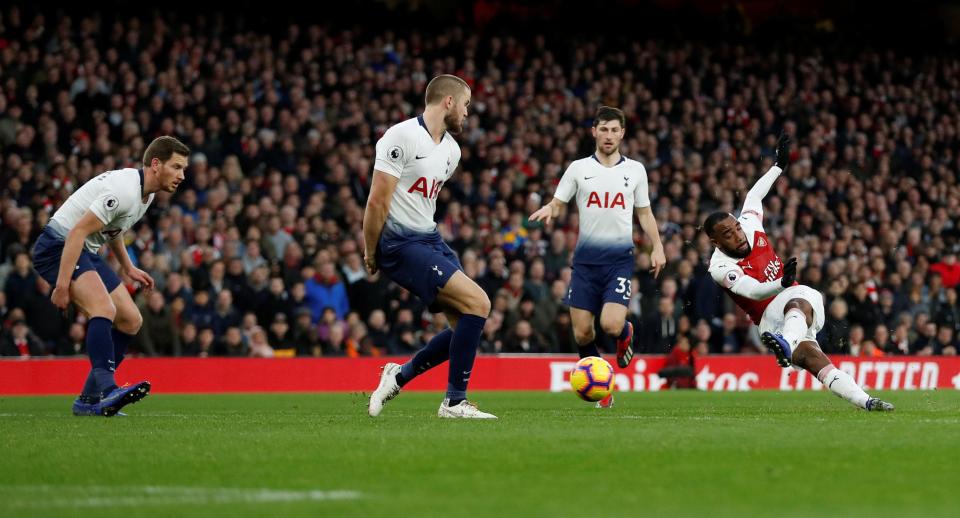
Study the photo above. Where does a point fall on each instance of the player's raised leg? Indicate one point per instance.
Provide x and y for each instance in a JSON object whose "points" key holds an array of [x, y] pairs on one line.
{"points": [[795, 343], [462, 295]]}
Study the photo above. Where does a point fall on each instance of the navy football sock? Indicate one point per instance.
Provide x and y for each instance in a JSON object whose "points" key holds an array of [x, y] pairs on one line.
{"points": [[121, 341], [588, 350], [100, 350], [90, 387], [434, 353], [625, 331], [463, 350]]}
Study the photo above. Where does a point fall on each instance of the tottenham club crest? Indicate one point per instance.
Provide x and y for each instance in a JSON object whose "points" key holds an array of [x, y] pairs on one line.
{"points": [[110, 203], [395, 153]]}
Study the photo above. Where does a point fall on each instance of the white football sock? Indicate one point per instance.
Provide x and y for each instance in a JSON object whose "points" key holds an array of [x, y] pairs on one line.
{"points": [[794, 327], [842, 384]]}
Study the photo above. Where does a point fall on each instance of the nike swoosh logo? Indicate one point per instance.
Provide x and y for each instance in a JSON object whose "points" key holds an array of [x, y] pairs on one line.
{"points": [[589, 177], [831, 383], [422, 157]]}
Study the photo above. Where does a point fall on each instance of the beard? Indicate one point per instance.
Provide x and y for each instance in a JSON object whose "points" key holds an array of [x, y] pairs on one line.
{"points": [[737, 254], [454, 125]]}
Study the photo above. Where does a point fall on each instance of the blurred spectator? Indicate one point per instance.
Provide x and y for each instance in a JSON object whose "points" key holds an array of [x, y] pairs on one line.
{"points": [[225, 314], [524, 340], [158, 336], [304, 334], [660, 330], [678, 370], [75, 342], [326, 290], [279, 336], [926, 342], [258, 345], [21, 281], [834, 338], [949, 269], [233, 343], [20, 341]]}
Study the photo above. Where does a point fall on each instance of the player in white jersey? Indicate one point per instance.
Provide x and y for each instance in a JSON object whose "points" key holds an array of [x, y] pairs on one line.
{"points": [[611, 190], [66, 255], [414, 159], [745, 265]]}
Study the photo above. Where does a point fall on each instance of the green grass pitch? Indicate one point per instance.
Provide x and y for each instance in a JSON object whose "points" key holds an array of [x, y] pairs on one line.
{"points": [[654, 454]]}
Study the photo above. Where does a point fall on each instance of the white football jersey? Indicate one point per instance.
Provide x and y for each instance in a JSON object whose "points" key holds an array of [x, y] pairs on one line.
{"points": [[115, 197], [606, 199], [408, 152], [726, 270]]}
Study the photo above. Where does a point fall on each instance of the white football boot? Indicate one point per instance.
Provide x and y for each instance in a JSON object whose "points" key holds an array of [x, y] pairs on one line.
{"points": [[387, 390], [465, 410]]}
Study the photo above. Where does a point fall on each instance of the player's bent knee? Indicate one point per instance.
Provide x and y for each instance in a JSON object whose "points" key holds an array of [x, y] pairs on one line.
{"points": [[131, 324], [612, 326], [800, 304], [105, 309], [584, 338], [479, 304]]}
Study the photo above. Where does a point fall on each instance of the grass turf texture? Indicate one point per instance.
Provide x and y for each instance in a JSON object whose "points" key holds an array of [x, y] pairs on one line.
{"points": [[669, 453]]}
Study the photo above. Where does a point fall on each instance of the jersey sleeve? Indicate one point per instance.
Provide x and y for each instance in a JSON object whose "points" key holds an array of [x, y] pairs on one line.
{"points": [[393, 153], [107, 206], [641, 195], [725, 273], [753, 204], [568, 184], [730, 276]]}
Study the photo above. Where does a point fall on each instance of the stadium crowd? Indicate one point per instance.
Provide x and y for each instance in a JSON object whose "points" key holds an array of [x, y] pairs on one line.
{"points": [[258, 254]]}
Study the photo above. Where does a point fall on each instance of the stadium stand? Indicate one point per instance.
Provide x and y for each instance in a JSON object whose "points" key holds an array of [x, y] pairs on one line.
{"points": [[259, 254]]}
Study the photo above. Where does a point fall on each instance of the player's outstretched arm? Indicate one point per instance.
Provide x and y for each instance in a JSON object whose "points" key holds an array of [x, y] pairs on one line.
{"points": [[375, 215], [72, 247], [731, 276], [754, 200], [648, 222], [126, 265], [548, 211]]}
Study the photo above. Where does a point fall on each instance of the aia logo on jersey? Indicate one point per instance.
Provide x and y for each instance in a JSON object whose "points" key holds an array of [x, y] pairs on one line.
{"points": [[606, 202], [421, 186]]}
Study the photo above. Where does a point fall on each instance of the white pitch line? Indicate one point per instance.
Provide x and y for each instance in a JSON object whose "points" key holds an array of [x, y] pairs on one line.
{"points": [[162, 495]]}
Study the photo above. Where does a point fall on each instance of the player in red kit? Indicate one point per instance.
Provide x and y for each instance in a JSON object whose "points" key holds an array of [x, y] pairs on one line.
{"points": [[789, 314]]}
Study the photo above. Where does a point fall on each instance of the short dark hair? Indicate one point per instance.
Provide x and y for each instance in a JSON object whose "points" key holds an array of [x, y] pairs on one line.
{"points": [[163, 148], [443, 85], [712, 220], [609, 113]]}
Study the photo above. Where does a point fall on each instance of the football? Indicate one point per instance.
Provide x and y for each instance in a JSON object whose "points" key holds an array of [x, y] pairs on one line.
{"points": [[592, 379]]}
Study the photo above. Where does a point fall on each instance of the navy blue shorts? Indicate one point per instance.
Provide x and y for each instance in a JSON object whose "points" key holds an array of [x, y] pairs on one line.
{"points": [[421, 263], [46, 261], [593, 285]]}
